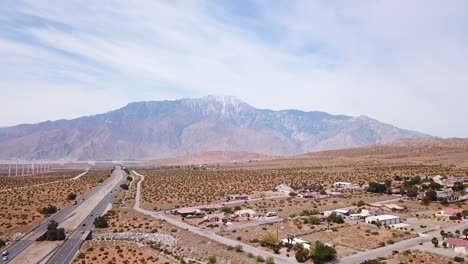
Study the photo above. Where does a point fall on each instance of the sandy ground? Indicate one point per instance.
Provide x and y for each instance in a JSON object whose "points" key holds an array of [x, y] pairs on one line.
{"points": [[105, 252], [86, 207], [35, 252]]}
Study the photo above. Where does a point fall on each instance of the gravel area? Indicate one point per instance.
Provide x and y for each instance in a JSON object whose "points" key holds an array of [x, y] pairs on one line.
{"points": [[158, 238]]}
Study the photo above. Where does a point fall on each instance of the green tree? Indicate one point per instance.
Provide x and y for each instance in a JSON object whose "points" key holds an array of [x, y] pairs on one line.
{"points": [[124, 186], [101, 222], [71, 196], [425, 200], [52, 233], [270, 260], [465, 233], [435, 241], [435, 186], [320, 252], [302, 255], [2, 243], [432, 195]]}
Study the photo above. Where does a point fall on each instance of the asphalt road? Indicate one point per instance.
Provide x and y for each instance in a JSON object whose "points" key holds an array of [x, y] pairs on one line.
{"points": [[206, 233], [66, 252], [16, 248]]}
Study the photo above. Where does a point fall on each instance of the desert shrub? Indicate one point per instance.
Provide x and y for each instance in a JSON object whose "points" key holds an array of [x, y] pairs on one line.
{"points": [[238, 248], [71, 196], [269, 240], [212, 259], [48, 210]]}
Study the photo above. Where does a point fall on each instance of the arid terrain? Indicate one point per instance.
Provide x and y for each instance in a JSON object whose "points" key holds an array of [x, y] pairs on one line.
{"points": [[20, 207]]}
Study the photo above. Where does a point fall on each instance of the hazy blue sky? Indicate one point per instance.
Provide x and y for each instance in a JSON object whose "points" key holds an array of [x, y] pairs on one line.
{"points": [[401, 62]]}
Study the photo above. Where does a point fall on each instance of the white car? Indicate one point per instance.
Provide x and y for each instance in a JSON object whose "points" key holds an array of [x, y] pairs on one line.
{"points": [[5, 253], [5, 258]]}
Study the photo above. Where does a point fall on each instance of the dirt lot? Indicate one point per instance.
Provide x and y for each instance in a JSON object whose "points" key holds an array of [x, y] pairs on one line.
{"points": [[348, 239], [19, 208], [175, 188], [287, 206], [122, 218], [426, 213], [21, 181], [107, 252], [416, 256]]}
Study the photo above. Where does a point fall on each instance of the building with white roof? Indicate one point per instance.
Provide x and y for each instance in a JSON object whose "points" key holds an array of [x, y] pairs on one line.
{"points": [[384, 219]]}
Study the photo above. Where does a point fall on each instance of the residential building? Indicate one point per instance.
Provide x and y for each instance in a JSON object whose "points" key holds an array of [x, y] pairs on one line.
{"points": [[458, 245], [296, 240], [384, 219], [393, 207], [397, 183], [246, 213], [343, 185], [284, 188], [218, 217], [238, 197], [451, 211], [450, 182], [188, 212]]}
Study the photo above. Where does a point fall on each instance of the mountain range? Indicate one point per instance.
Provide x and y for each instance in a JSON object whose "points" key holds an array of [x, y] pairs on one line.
{"points": [[164, 129]]}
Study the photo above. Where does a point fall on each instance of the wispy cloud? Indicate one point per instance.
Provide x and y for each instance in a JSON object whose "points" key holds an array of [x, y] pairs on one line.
{"points": [[402, 62]]}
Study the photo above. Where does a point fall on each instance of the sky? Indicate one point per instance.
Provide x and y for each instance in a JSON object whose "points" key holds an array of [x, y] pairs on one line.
{"points": [[400, 62]]}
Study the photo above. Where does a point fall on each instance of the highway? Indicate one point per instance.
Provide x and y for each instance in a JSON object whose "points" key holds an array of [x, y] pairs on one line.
{"points": [[67, 251], [17, 247]]}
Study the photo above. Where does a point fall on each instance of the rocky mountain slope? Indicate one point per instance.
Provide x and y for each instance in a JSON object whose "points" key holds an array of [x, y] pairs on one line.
{"points": [[162, 129]]}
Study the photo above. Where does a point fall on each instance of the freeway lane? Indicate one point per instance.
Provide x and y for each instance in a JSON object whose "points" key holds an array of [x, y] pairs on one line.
{"points": [[66, 252], [17, 247]]}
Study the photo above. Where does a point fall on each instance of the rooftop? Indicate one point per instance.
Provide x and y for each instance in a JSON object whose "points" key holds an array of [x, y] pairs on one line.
{"points": [[384, 217], [458, 242]]}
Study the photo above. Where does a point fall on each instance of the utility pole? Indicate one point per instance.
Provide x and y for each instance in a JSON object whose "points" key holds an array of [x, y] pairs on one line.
{"points": [[9, 168], [22, 167], [16, 168]]}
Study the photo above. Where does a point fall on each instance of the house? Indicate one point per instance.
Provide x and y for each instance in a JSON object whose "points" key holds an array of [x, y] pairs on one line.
{"points": [[450, 211], [343, 185], [384, 219], [238, 197], [438, 179], [342, 212], [458, 245], [188, 212], [246, 213], [219, 217], [397, 183], [393, 207], [450, 182], [284, 188], [371, 210], [310, 195], [444, 194], [294, 241]]}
